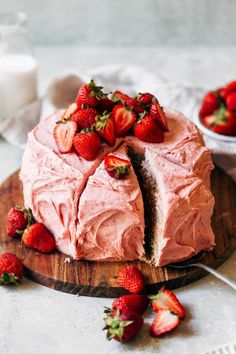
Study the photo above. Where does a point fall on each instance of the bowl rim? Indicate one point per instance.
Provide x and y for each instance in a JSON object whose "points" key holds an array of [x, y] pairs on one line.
{"points": [[212, 134]]}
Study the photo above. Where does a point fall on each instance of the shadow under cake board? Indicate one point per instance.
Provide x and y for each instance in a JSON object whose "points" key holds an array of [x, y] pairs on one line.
{"points": [[98, 278]]}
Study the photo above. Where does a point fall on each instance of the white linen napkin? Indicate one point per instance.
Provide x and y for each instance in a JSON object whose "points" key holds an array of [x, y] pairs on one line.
{"points": [[127, 78]]}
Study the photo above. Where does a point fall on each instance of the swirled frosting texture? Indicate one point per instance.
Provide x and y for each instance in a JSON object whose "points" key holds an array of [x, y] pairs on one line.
{"points": [[111, 217], [95, 217]]}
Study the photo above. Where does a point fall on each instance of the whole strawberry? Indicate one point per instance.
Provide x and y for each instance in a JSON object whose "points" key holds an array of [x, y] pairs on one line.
{"points": [[86, 144], [85, 118], [39, 238], [89, 94], [11, 270], [105, 127], [105, 104], [123, 325], [131, 278], [231, 101], [209, 104], [133, 302], [149, 130], [18, 218], [116, 166], [145, 98]]}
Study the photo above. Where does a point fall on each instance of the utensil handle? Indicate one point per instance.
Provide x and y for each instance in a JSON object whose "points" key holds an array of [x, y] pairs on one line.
{"points": [[217, 274]]}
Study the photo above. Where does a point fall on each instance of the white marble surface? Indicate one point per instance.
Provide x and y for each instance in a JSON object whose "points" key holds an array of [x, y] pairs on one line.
{"points": [[35, 319]]}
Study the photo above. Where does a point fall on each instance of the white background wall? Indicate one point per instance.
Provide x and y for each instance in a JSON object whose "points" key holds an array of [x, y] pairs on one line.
{"points": [[129, 22]]}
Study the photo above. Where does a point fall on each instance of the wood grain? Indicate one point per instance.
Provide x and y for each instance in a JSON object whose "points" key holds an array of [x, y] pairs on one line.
{"points": [[98, 278]]}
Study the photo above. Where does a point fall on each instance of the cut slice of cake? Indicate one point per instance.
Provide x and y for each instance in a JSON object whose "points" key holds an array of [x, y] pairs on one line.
{"points": [[111, 216], [53, 182]]}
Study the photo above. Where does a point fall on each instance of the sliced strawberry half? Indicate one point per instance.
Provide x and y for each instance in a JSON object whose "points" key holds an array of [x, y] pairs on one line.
{"points": [[117, 167], [164, 322], [167, 300], [119, 96], [124, 119], [105, 127], [157, 112], [71, 109], [64, 133]]}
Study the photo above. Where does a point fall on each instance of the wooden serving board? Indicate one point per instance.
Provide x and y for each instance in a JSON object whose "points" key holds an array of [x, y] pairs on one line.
{"points": [[98, 278]]}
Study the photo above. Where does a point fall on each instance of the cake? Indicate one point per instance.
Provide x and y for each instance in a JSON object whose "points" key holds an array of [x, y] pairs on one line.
{"points": [[161, 212]]}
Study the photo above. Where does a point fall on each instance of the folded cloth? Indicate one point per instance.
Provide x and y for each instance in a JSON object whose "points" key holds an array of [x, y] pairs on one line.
{"points": [[127, 78]]}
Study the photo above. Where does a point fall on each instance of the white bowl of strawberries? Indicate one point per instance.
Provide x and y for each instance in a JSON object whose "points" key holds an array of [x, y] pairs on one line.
{"points": [[217, 114]]}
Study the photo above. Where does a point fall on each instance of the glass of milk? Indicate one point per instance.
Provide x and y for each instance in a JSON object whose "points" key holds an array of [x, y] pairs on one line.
{"points": [[18, 67]]}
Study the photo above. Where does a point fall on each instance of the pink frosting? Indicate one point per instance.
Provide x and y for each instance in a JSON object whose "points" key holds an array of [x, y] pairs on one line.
{"points": [[111, 217], [103, 220]]}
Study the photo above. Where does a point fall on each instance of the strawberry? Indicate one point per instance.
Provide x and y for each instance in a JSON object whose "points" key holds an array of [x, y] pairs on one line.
{"points": [[145, 98], [148, 129], [231, 101], [11, 270], [133, 302], [71, 109], [208, 121], [85, 118], [89, 94], [157, 112], [131, 278], [164, 322], [116, 166], [105, 104], [64, 133], [18, 218], [209, 104], [38, 237], [135, 105], [124, 119], [225, 122], [105, 127], [229, 88], [119, 96], [167, 300], [87, 144], [123, 325]]}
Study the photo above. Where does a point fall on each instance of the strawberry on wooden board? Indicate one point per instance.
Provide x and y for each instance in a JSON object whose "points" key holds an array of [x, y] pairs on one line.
{"points": [[167, 300], [133, 302], [209, 104], [148, 129], [71, 109], [90, 94], [124, 119], [105, 127], [86, 144], [123, 325], [145, 98], [38, 237], [164, 322], [225, 122], [18, 218], [131, 278], [156, 111], [85, 118], [231, 101], [11, 270], [64, 133], [119, 96], [116, 166]]}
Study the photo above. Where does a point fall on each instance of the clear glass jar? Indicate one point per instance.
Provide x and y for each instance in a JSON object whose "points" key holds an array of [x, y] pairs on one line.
{"points": [[18, 67]]}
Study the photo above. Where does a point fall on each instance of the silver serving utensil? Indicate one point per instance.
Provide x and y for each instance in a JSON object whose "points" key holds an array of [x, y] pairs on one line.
{"points": [[194, 262]]}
